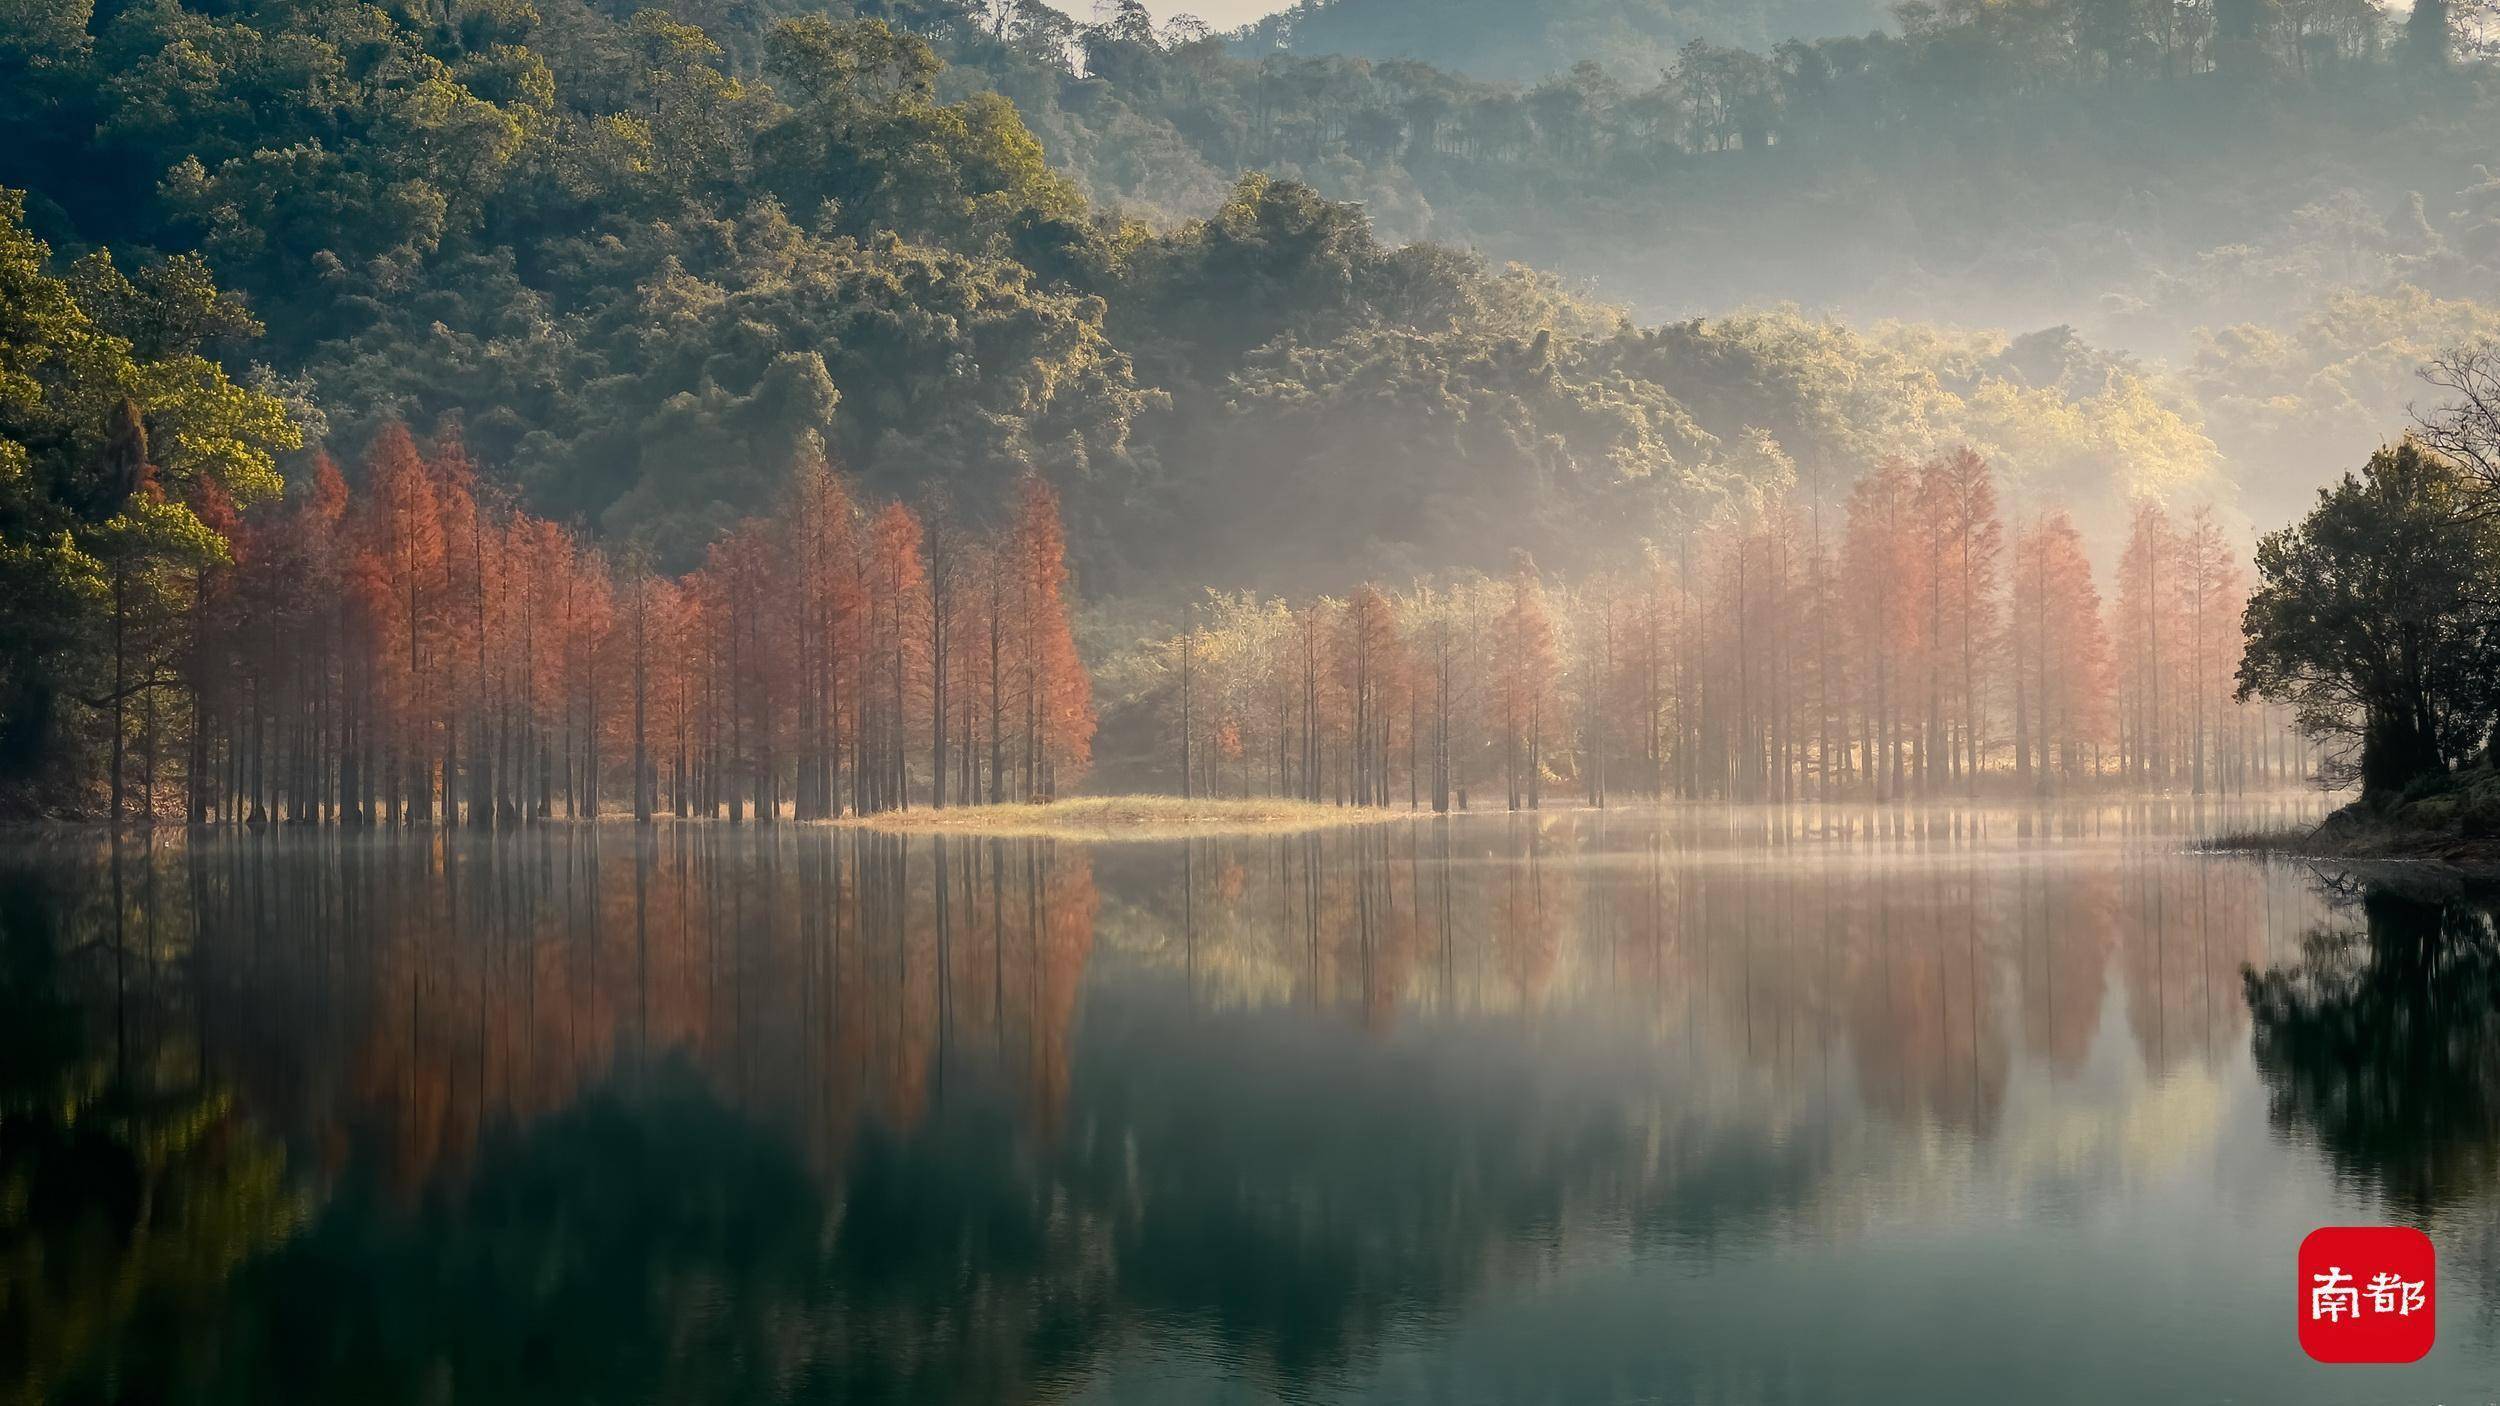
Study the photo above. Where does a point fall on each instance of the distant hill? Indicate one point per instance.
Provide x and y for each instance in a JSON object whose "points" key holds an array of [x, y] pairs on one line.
{"points": [[2290, 219], [1512, 39], [645, 261], [641, 283]]}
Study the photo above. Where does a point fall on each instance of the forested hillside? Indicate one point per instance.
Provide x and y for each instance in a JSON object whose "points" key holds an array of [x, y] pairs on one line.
{"points": [[2032, 158], [642, 277], [1503, 39], [637, 264], [2298, 195]]}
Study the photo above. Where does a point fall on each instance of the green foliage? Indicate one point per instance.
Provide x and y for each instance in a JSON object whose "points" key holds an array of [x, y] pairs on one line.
{"points": [[644, 260], [1467, 445], [2373, 615], [1500, 39], [580, 245], [112, 422], [2342, 1039], [866, 132], [643, 255], [2062, 160], [2058, 427], [73, 349], [1982, 155], [2330, 384], [130, 1192], [2230, 201], [695, 357]]}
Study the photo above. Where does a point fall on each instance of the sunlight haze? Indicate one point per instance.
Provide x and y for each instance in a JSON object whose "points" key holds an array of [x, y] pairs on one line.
{"points": [[1204, 702], [1223, 14]]}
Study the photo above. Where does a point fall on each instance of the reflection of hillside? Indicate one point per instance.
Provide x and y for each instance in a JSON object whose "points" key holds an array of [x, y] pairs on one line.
{"points": [[130, 1191], [650, 1244], [805, 1115], [644, 1110], [1291, 1189]]}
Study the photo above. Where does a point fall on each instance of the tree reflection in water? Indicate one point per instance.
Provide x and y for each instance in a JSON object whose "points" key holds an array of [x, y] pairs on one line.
{"points": [[808, 1115], [130, 1188], [2382, 1045]]}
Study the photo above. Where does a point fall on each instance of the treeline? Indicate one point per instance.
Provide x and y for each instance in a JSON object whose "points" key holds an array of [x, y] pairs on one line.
{"points": [[2077, 38], [1417, 106], [423, 650], [2375, 617], [2146, 172], [1491, 39], [1329, 90], [1904, 642]]}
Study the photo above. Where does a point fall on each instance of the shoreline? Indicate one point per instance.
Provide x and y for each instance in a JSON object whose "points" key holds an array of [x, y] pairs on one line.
{"points": [[2373, 845], [1149, 815], [1087, 817]]}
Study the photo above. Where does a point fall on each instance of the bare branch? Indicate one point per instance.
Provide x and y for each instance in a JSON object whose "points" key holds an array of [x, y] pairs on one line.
{"points": [[2467, 428], [131, 689]]}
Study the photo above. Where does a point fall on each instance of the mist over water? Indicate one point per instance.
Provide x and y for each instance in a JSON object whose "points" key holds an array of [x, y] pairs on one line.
{"points": [[1695, 1103]]}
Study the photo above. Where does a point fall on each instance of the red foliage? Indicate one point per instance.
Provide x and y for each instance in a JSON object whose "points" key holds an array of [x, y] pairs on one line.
{"points": [[378, 657]]}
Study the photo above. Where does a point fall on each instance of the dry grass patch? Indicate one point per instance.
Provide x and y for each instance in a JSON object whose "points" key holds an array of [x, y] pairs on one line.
{"points": [[1126, 818]]}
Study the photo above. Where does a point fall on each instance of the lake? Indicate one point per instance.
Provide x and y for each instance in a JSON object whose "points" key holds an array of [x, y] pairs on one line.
{"points": [[1682, 1105]]}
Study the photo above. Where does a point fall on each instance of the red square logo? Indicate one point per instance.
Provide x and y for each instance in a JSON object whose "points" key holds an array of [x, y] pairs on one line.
{"points": [[2368, 1293]]}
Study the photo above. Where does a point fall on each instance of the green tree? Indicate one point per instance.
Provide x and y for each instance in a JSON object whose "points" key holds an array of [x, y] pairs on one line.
{"points": [[111, 424], [2373, 617], [866, 133]]}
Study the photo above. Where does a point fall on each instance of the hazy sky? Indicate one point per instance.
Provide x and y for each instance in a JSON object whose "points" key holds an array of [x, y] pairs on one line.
{"points": [[1223, 14]]}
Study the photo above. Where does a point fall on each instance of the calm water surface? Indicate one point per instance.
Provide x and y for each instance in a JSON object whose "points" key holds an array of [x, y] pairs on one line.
{"points": [[1694, 1105]]}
